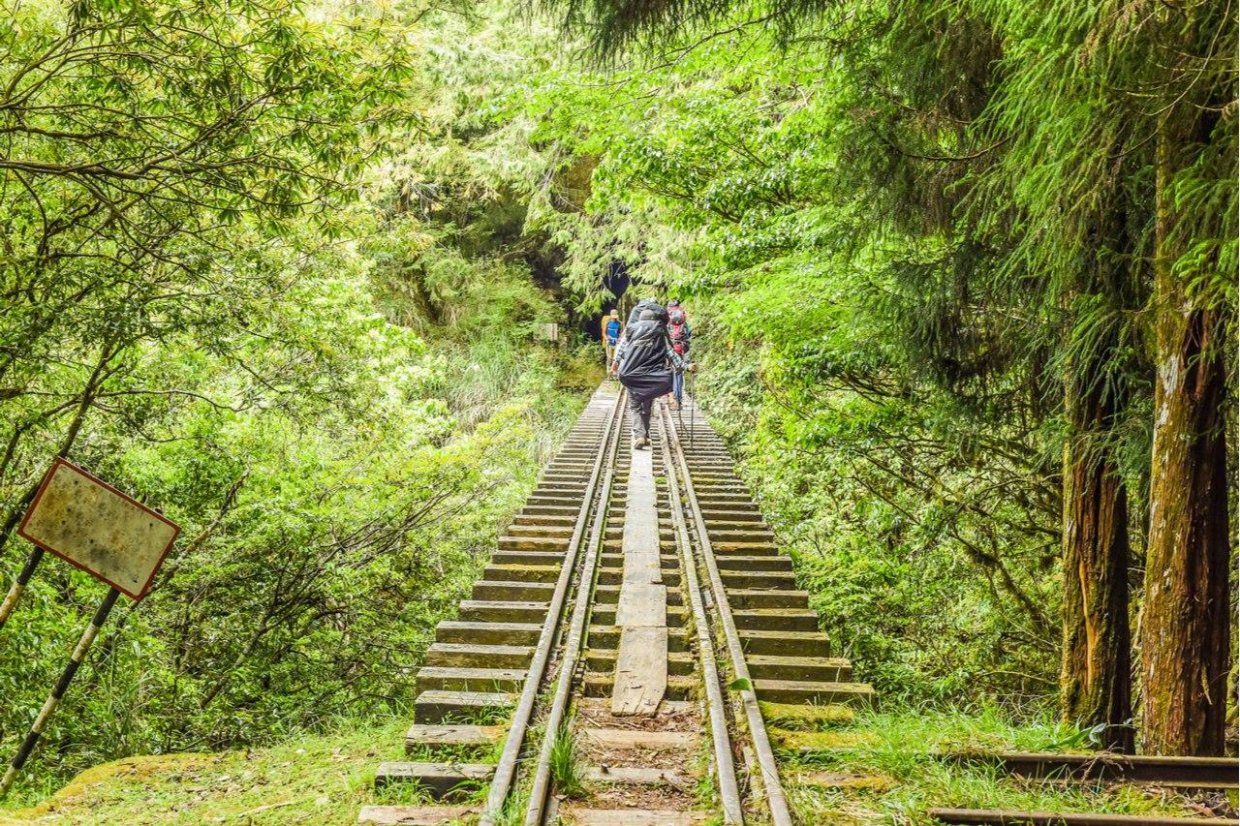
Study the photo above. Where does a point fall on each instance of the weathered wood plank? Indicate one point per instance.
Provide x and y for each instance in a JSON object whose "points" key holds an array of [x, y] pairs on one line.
{"points": [[440, 779], [642, 604], [447, 678], [628, 739], [641, 664], [641, 671], [641, 569], [452, 735], [437, 706], [414, 815], [630, 817], [641, 521], [638, 776]]}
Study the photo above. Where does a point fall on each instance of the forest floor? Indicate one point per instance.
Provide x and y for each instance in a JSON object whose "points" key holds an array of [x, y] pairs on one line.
{"points": [[321, 780], [876, 768]]}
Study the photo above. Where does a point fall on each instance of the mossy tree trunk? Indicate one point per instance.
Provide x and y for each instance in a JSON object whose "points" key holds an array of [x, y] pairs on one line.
{"points": [[1186, 617], [1096, 674], [1096, 670]]}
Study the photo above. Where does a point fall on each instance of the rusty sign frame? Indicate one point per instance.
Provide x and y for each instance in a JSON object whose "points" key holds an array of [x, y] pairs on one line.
{"points": [[34, 504]]}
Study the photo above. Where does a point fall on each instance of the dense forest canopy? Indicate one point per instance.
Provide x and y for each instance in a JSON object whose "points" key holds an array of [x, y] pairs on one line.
{"points": [[962, 277], [986, 256]]}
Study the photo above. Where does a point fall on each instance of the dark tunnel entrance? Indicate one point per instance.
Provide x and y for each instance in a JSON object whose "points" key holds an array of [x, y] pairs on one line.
{"points": [[617, 283]]}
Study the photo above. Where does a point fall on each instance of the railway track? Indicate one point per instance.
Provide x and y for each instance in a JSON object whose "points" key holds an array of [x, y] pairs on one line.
{"points": [[1003, 817], [1217, 774], [608, 666], [1199, 773]]}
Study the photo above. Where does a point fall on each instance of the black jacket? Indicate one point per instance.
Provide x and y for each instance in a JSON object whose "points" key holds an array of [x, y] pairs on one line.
{"points": [[646, 360]]}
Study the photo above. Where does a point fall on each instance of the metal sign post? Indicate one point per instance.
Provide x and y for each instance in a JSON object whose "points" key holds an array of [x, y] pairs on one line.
{"points": [[19, 584], [58, 693], [92, 526]]}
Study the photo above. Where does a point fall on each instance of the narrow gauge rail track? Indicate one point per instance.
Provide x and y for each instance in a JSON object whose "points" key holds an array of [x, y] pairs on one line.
{"points": [[1003, 817], [538, 660], [1207, 773], [1197, 773]]}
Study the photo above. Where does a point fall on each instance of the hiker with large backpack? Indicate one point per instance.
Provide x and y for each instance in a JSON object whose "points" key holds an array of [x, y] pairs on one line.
{"points": [[643, 305], [679, 333], [645, 362]]}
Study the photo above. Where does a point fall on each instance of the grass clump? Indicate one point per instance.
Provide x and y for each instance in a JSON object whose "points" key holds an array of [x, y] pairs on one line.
{"points": [[565, 768], [512, 813]]}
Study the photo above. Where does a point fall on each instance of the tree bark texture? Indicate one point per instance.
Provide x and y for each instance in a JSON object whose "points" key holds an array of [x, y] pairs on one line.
{"points": [[1096, 669], [1185, 626], [1096, 673]]}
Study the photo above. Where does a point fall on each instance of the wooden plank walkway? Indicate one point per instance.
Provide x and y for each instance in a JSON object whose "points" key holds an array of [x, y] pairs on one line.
{"points": [[641, 665]]}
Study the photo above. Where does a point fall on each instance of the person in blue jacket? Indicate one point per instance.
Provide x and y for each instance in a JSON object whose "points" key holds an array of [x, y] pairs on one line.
{"points": [[611, 335]]}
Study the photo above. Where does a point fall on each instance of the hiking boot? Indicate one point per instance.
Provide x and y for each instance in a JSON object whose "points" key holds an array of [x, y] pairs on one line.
{"points": [[637, 443]]}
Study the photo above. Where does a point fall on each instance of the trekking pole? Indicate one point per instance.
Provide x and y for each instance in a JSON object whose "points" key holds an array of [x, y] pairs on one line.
{"points": [[692, 410], [680, 407]]}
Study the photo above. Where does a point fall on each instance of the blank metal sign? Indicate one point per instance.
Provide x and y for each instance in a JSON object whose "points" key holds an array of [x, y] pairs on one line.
{"points": [[92, 525]]}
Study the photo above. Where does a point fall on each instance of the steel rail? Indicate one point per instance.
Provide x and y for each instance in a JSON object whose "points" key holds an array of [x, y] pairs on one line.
{"points": [[541, 785], [1005, 817], [506, 768], [1182, 772], [776, 800], [729, 792]]}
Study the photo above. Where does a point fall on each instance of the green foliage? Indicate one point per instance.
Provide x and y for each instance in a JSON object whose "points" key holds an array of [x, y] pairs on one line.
{"points": [[218, 321], [327, 777], [898, 442], [323, 778], [280, 271]]}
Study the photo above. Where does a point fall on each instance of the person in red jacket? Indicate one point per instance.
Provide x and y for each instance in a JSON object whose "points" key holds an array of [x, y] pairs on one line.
{"points": [[679, 333]]}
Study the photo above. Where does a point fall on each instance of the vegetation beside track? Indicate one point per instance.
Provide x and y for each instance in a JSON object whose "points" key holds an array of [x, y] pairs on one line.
{"points": [[319, 779], [874, 767], [886, 767], [964, 273]]}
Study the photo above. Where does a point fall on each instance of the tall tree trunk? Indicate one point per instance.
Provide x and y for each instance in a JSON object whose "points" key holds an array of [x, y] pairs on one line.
{"points": [[1096, 673], [1186, 619], [1096, 669]]}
